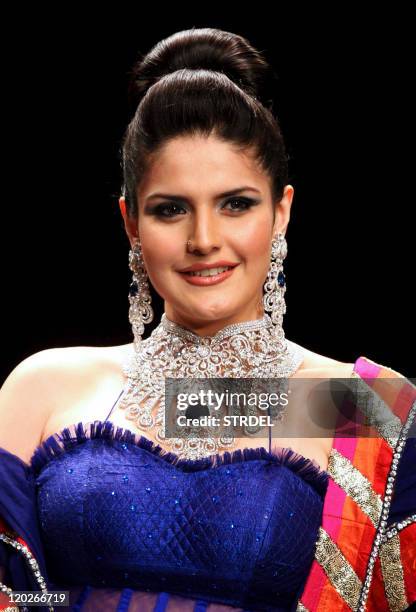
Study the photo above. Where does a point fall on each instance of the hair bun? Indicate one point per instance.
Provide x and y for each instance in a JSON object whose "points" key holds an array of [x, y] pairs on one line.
{"points": [[200, 48]]}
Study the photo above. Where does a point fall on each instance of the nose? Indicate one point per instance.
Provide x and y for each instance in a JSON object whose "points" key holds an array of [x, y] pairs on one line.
{"points": [[205, 233]]}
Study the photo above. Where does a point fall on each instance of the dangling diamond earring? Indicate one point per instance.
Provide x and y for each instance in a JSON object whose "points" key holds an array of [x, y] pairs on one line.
{"points": [[140, 311], [275, 285]]}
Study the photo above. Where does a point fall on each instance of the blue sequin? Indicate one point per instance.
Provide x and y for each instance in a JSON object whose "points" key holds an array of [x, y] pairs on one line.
{"points": [[70, 470]]}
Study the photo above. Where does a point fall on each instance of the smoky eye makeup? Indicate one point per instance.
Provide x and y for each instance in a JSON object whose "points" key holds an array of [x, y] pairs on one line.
{"points": [[167, 209], [171, 209]]}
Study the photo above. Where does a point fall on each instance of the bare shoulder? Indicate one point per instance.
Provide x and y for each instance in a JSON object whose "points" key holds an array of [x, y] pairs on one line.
{"points": [[57, 386], [41, 382], [316, 363]]}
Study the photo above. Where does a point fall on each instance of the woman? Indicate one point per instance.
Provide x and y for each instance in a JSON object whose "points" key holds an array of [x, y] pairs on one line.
{"points": [[188, 522]]}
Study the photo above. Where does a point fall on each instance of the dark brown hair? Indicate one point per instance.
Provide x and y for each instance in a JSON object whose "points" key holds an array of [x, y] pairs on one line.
{"points": [[201, 81]]}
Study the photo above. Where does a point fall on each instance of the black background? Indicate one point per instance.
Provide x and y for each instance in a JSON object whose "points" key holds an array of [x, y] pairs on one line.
{"points": [[342, 98]]}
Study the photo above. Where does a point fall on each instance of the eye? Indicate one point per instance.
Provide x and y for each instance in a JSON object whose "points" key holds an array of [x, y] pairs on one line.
{"points": [[159, 210], [169, 210], [245, 203]]}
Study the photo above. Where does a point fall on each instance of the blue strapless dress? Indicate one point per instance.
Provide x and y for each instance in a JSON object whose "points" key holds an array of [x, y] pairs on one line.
{"points": [[124, 525], [130, 526]]}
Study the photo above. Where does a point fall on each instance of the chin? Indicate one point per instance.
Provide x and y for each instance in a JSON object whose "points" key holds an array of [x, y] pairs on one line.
{"points": [[207, 315]]}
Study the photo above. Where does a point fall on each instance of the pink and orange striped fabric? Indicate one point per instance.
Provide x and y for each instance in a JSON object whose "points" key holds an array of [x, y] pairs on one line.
{"points": [[354, 514]]}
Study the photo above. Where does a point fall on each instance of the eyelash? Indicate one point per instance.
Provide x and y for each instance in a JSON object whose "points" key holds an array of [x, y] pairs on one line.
{"points": [[248, 203]]}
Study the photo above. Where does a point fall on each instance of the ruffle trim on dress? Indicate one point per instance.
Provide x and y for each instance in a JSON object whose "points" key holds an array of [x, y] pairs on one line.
{"points": [[59, 443]]}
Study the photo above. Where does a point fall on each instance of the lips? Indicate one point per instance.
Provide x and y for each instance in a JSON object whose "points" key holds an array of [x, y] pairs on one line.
{"points": [[205, 281], [197, 267], [208, 271]]}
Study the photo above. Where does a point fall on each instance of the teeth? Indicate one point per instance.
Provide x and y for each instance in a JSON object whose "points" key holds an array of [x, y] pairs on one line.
{"points": [[210, 271]]}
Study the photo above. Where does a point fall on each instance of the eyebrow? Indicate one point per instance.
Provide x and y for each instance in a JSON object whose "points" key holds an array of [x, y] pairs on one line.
{"points": [[220, 195]]}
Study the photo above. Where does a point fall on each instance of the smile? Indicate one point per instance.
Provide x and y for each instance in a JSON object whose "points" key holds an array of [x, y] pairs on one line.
{"points": [[210, 276]]}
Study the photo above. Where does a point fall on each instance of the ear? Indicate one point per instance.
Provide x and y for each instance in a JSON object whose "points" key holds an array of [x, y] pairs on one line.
{"points": [[130, 223], [282, 211]]}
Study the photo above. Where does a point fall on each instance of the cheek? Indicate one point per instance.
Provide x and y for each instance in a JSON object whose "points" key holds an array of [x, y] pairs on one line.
{"points": [[255, 247], [160, 248], [253, 240]]}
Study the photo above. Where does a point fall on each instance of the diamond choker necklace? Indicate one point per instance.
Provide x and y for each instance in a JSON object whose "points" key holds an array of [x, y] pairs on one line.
{"points": [[250, 349]]}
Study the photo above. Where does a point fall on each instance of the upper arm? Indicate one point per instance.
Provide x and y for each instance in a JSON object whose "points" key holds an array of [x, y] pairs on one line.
{"points": [[24, 401], [39, 383]]}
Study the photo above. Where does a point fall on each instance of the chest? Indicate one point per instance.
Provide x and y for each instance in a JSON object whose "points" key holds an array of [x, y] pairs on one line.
{"points": [[297, 430]]}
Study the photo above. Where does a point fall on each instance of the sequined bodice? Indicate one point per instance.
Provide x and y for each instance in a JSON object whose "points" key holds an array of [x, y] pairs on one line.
{"points": [[117, 511]]}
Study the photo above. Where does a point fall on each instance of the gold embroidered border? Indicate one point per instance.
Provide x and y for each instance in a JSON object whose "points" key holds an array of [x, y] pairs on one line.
{"points": [[355, 485], [392, 570], [338, 569], [386, 507]]}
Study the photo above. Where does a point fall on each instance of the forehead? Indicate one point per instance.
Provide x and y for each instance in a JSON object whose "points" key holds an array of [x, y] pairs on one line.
{"points": [[198, 163]]}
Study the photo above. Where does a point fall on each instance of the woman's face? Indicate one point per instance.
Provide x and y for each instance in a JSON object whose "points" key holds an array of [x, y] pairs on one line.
{"points": [[237, 228]]}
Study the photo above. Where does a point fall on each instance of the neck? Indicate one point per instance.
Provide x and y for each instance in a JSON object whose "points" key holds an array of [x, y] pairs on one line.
{"points": [[210, 328]]}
